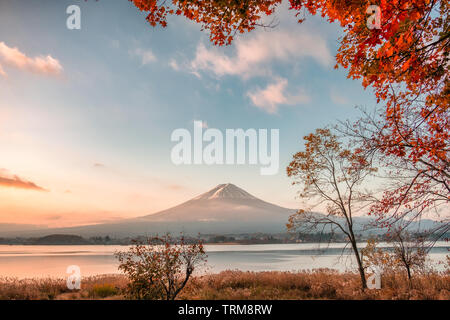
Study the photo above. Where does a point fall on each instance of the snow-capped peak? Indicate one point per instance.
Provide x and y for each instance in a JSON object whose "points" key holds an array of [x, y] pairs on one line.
{"points": [[225, 191]]}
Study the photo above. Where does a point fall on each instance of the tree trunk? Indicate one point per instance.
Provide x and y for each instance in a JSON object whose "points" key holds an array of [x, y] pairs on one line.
{"points": [[362, 275], [360, 265], [408, 269], [183, 284]]}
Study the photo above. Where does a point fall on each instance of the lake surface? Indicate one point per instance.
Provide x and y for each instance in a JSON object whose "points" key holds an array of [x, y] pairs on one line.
{"points": [[44, 261]]}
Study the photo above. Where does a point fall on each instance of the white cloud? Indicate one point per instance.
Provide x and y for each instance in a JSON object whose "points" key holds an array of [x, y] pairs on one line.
{"points": [[274, 95], [146, 56], [252, 56], [15, 58], [174, 65]]}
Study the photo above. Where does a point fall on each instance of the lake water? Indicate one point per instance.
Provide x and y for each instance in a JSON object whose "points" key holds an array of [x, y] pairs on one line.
{"points": [[43, 261]]}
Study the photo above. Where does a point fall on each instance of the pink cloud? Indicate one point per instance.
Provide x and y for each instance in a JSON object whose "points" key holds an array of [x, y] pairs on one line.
{"points": [[2, 72], [274, 95], [16, 182], [15, 58]]}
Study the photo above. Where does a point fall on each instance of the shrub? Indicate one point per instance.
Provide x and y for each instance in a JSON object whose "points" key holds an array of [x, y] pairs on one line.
{"points": [[161, 267]]}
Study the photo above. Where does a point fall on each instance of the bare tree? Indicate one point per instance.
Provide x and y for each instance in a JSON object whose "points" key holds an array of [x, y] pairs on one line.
{"points": [[412, 248], [409, 250], [332, 176]]}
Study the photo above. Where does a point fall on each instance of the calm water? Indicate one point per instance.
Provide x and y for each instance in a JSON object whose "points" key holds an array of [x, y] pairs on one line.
{"points": [[43, 261]]}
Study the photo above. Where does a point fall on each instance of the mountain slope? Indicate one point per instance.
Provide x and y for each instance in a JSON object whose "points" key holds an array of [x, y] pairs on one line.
{"points": [[224, 203]]}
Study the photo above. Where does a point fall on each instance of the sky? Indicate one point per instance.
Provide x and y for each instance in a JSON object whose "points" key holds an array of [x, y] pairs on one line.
{"points": [[86, 116]]}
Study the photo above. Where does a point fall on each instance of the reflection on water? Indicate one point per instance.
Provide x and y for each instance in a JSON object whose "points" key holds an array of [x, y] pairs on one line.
{"points": [[43, 261]]}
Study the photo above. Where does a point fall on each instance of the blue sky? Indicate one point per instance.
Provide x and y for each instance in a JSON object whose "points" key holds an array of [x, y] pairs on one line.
{"points": [[93, 126]]}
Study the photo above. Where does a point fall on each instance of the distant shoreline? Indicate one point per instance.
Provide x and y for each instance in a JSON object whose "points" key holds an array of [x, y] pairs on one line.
{"points": [[121, 244], [241, 239], [113, 244], [212, 239]]}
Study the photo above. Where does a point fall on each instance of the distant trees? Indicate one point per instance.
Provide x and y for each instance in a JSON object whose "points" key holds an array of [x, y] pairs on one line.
{"points": [[100, 240], [332, 175], [161, 267]]}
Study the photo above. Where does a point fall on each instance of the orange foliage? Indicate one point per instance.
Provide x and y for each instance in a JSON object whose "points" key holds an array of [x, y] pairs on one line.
{"points": [[223, 18]]}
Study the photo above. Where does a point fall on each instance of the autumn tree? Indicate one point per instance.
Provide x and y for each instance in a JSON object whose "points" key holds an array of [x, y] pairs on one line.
{"points": [[160, 267], [412, 186], [222, 18], [405, 60], [331, 175]]}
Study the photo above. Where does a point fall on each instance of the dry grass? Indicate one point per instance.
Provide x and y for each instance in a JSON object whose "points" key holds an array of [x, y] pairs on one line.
{"points": [[318, 284], [95, 287], [31, 289]]}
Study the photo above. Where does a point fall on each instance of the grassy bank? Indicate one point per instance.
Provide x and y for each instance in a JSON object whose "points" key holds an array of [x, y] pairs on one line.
{"points": [[321, 284]]}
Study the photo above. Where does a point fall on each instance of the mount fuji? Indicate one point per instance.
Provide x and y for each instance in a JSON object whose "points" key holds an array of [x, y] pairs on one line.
{"points": [[225, 209], [226, 203]]}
